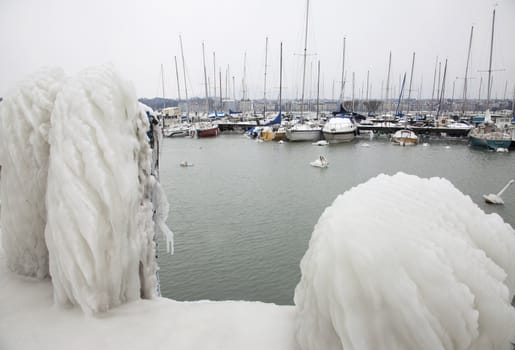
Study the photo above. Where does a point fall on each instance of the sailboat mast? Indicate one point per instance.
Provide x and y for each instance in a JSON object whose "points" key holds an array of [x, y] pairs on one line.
{"points": [[205, 78], [163, 84], [177, 76], [233, 88], [244, 88], [388, 79], [342, 89], [318, 89], [280, 78], [368, 75], [411, 81], [434, 84], [398, 110], [214, 80], [465, 83], [305, 57], [442, 92], [353, 83], [490, 64], [185, 84], [220, 81], [264, 86]]}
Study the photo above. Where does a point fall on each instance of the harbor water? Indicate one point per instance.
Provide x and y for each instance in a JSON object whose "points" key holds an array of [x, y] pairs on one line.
{"points": [[243, 214]]}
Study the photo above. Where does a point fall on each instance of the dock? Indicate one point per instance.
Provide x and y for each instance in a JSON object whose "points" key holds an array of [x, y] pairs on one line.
{"points": [[419, 130]]}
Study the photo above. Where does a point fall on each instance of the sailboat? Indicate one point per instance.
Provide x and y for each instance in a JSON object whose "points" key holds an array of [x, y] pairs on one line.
{"points": [[272, 130], [487, 134], [205, 129], [404, 136], [304, 131], [341, 127]]}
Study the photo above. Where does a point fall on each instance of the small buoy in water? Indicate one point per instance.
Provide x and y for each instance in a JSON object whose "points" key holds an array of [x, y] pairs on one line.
{"points": [[501, 149], [447, 147], [365, 145], [281, 141], [425, 144], [496, 198]]}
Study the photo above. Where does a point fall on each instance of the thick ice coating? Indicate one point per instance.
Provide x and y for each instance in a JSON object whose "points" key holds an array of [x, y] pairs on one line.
{"points": [[98, 213], [24, 124], [402, 262]]}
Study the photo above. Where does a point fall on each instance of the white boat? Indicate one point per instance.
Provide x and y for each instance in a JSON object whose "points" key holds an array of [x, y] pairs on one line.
{"points": [[339, 129], [459, 124], [320, 163], [185, 164], [405, 137], [303, 132]]}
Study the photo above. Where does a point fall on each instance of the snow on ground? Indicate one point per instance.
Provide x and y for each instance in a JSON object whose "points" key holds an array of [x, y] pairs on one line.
{"points": [[402, 262]]}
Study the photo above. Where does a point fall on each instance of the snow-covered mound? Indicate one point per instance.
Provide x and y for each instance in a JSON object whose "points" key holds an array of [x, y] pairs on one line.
{"points": [[407, 263], [24, 150]]}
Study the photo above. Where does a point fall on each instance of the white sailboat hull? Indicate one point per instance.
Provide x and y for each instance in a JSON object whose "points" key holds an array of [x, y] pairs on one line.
{"points": [[303, 134]]}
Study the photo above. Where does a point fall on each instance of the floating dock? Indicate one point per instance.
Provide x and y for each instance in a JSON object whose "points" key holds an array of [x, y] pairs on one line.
{"points": [[419, 130]]}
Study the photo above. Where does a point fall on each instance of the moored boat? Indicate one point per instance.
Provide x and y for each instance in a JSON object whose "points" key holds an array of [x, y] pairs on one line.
{"points": [[303, 132], [206, 130], [339, 129], [487, 135], [405, 137]]}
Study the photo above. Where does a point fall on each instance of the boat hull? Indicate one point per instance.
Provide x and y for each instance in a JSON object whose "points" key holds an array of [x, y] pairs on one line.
{"points": [[210, 132], [489, 143], [336, 137], [303, 135]]}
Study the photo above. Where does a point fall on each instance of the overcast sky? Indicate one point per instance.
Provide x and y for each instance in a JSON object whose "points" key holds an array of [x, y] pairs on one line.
{"points": [[139, 36]]}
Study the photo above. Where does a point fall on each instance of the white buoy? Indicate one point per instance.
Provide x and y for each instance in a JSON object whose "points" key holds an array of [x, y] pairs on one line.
{"points": [[496, 198]]}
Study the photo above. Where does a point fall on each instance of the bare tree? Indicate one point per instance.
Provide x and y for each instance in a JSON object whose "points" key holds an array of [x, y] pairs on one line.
{"points": [[372, 106]]}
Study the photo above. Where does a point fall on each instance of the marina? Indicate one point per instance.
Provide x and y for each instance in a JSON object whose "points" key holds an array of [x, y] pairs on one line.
{"points": [[279, 175], [243, 215]]}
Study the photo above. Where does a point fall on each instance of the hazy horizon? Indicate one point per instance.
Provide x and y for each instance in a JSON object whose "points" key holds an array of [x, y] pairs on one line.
{"points": [[139, 37]]}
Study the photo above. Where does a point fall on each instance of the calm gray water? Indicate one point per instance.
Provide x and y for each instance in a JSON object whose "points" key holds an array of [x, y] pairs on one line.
{"points": [[244, 213]]}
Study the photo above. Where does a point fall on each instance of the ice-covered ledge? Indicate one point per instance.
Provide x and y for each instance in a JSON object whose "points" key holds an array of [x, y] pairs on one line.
{"points": [[29, 319]]}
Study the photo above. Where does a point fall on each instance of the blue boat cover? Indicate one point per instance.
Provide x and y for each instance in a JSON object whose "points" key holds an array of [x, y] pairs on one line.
{"points": [[276, 120]]}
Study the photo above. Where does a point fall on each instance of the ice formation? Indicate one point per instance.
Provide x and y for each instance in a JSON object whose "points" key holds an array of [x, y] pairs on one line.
{"points": [[94, 173], [407, 263], [24, 150]]}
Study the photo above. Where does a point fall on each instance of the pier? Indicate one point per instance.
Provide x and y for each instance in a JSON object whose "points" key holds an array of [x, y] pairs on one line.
{"points": [[376, 129], [419, 130]]}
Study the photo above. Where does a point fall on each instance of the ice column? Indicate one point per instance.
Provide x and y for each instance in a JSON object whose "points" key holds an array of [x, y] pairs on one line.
{"points": [[97, 193], [24, 150]]}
